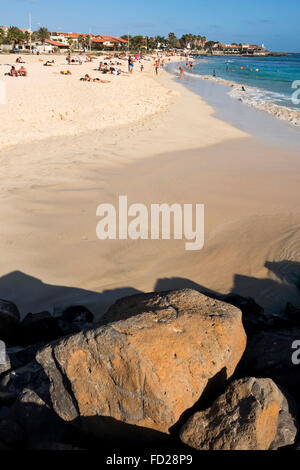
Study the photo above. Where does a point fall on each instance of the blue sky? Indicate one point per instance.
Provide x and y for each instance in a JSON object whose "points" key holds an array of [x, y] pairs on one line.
{"points": [[274, 22]]}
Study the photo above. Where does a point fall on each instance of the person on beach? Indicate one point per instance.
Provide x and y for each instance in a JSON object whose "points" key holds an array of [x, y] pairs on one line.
{"points": [[181, 73], [156, 65], [22, 72], [65, 72], [129, 63], [87, 78], [142, 68], [214, 74], [13, 71], [20, 61]]}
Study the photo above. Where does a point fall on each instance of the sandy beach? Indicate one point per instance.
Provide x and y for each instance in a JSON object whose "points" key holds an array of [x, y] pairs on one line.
{"points": [[67, 149], [47, 104]]}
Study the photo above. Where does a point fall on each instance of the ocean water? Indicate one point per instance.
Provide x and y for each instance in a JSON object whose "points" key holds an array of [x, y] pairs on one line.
{"points": [[271, 78], [257, 111]]}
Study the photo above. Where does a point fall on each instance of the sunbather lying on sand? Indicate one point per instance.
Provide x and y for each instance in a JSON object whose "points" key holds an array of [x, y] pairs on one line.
{"points": [[48, 63], [20, 61], [65, 72], [87, 78]]}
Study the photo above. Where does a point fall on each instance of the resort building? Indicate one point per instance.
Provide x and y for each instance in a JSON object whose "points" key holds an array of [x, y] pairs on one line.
{"points": [[245, 49], [84, 41]]}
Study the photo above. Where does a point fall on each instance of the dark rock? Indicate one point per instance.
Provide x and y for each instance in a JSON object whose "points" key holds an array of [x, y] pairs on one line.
{"points": [[19, 357], [293, 313], [252, 414], [12, 383], [9, 320], [269, 354], [254, 317], [32, 410], [38, 328], [37, 417], [5, 365], [75, 319]]}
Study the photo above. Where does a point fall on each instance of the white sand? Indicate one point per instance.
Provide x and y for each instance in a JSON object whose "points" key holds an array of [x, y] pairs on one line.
{"points": [[51, 188], [48, 104]]}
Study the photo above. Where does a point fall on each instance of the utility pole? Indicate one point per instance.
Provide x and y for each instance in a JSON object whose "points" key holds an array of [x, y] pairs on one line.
{"points": [[90, 41], [128, 43], [30, 33]]}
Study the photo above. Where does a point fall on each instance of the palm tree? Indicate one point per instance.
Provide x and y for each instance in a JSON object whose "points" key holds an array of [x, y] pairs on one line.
{"points": [[43, 34], [87, 42], [2, 35], [173, 41], [80, 41], [71, 43], [137, 42], [151, 44], [15, 35], [27, 37]]}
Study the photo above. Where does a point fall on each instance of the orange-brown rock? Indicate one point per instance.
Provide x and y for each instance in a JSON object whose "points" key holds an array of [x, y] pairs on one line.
{"points": [[151, 363], [253, 414]]}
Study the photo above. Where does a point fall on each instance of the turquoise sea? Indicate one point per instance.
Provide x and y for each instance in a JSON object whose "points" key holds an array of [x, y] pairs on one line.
{"points": [[272, 77]]}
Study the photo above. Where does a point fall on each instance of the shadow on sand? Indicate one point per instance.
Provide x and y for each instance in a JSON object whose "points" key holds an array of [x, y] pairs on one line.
{"points": [[287, 272], [32, 295]]}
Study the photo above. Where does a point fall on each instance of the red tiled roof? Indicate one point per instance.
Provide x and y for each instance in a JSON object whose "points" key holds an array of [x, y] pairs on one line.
{"points": [[95, 38], [121, 40], [56, 43], [98, 40]]}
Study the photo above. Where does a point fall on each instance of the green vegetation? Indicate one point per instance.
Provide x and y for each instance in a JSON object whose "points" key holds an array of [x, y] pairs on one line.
{"points": [[43, 34], [191, 41]]}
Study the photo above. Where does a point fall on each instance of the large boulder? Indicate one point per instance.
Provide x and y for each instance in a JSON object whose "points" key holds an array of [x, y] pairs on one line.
{"points": [[154, 360], [9, 320], [252, 414]]}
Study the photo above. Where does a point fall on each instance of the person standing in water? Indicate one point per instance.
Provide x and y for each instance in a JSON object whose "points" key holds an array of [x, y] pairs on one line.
{"points": [[181, 73]]}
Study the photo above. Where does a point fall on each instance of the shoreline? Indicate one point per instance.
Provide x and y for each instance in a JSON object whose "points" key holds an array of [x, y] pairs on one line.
{"points": [[282, 113]]}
